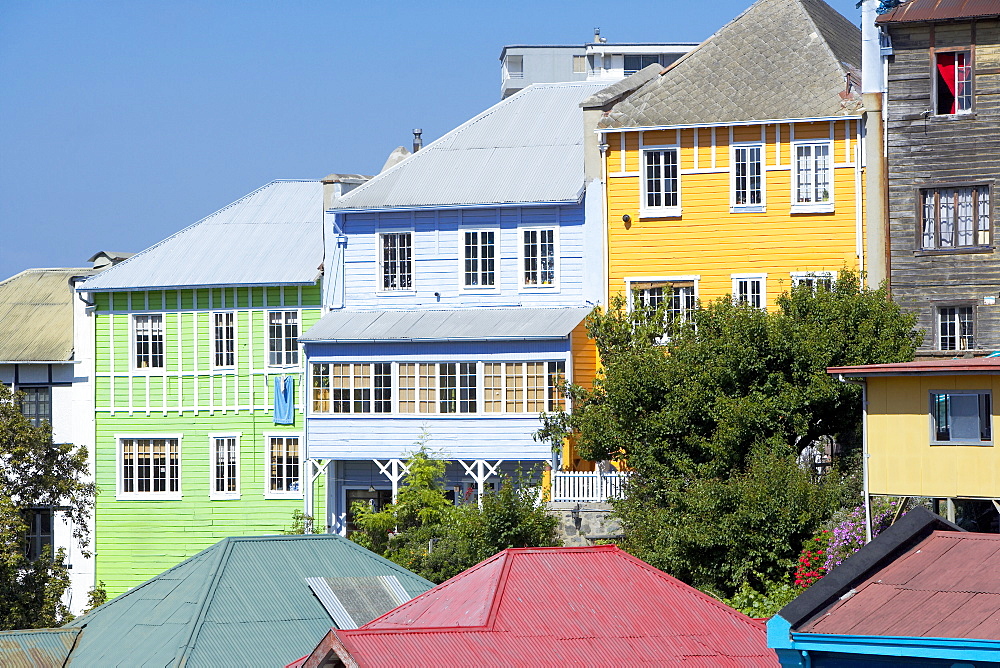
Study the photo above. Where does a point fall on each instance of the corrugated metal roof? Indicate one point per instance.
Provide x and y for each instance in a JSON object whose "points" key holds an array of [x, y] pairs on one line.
{"points": [[36, 315], [943, 587], [940, 10], [557, 607], [273, 236], [481, 324], [778, 59], [973, 365], [243, 601], [528, 148], [40, 648]]}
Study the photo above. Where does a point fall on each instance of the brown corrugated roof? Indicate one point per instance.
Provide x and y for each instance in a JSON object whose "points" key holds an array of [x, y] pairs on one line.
{"points": [[940, 10], [36, 315], [944, 587], [963, 366], [779, 59]]}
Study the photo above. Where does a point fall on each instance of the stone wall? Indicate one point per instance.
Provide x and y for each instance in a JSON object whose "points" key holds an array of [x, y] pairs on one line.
{"points": [[589, 524]]}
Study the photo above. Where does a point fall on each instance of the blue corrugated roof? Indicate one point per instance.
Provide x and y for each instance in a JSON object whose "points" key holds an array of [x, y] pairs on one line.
{"points": [[482, 324], [244, 601], [273, 236], [528, 148]]}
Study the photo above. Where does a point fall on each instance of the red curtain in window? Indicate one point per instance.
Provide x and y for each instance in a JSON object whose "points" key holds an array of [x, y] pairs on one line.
{"points": [[946, 83]]}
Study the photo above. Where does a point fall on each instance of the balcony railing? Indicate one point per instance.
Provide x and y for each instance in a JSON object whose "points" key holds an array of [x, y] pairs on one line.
{"points": [[586, 486]]}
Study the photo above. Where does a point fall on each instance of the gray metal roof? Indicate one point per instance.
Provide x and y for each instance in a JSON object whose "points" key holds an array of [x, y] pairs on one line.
{"points": [[36, 315], [528, 148], [242, 602], [39, 648], [778, 59], [482, 324], [273, 236]]}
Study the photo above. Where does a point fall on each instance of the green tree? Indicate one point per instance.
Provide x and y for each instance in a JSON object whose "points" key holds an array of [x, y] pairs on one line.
{"points": [[711, 421], [426, 533], [35, 472]]}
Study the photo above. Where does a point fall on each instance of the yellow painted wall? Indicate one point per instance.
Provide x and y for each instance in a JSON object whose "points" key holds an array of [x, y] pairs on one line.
{"points": [[585, 365], [709, 241], [904, 463]]}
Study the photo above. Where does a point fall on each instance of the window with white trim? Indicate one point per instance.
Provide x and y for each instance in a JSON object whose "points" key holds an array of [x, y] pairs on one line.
{"points": [[956, 327], [747, 176], [147, 339], [282, 338], [479, 259], [635, 62], [438, 388], [750, 289], [283, 460], [953, 82], [352, 388], [538, 257], [661, 182], [396, 260], [224, 340], [812, 189], [961, 417], [150, 466], [678, 296], [816, 280], [225, 467], [955, 217]]}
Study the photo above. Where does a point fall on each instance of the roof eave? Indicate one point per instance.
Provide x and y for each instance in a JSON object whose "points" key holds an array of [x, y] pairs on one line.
{"points": [[480, 205], [450, 339], [205, 286], [716, 124], [956, 649]]}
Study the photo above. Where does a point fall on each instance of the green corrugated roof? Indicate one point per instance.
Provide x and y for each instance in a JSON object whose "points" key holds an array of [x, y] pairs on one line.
{"points": [[40, 648], [241, 602]]}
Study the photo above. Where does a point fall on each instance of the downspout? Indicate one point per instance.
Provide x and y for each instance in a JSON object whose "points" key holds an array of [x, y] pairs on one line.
{"points": [[864, 461], [604, 216]]}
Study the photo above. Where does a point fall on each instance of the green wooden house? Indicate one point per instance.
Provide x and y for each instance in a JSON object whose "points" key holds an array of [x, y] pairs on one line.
{"points": [[198, 377]]}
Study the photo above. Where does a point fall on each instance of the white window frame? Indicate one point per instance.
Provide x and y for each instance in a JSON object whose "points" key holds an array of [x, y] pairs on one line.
{"points": [[734, 207], [134, 343], [351, 388], [121, 494], [282, 494], [557, 265], [462, 231], [283, 352], [380, 288], [938, 317], [738, 278], [812, 207], [212, 492], [959, 441], [630, 280], [799, 277], [215, 341], [663, 211]]}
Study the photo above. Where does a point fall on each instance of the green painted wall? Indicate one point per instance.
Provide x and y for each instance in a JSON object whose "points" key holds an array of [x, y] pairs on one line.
{"points": [[138, 539]]}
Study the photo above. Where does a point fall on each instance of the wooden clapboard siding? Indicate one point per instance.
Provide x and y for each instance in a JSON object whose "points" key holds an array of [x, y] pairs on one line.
{"points": [[137, 539], [709, 241], [924, 150]]}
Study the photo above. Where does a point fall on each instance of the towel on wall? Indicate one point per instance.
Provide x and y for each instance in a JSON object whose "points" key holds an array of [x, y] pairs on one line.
{"points": [[284, 400]]}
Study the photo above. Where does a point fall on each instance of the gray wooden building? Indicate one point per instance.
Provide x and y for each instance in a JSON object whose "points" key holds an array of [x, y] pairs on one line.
{"points": [[943, 153]]}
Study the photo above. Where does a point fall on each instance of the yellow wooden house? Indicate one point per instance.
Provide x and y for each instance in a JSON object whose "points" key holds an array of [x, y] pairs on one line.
{"points": [[929, 432], [738, 169]]}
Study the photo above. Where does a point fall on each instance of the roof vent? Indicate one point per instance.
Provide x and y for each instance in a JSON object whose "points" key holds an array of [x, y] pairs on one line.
{"points": [[418, 143], [597, 37]]}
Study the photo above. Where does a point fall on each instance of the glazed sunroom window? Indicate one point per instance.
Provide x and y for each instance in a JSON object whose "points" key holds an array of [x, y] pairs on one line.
{"points": [[955, 217]]}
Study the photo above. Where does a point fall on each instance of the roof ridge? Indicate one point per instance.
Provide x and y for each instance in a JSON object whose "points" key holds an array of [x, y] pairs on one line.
{"points": [[209, 594], [110, 270], [822, 29], [498, 591]]}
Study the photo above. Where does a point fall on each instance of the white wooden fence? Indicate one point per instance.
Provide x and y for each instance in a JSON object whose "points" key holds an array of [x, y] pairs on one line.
{"points": [[586, 486]]}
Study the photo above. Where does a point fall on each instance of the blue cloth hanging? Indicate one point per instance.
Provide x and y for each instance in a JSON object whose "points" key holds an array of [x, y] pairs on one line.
{"points": [[284, 400]]}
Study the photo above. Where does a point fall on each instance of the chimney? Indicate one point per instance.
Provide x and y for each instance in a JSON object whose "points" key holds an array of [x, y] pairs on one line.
{"points": [[418, 143], [597, 37]]}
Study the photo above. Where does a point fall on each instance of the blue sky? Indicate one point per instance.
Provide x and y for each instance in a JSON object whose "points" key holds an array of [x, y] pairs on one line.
{"points": [[123, 122]]}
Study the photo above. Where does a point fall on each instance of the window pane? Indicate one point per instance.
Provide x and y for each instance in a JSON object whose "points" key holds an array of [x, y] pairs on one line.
{"points": [[321, 388], [362, 388], [428, 388], [515, 387], [383, 387], [467, 388], [407, 388], [448, 388]]}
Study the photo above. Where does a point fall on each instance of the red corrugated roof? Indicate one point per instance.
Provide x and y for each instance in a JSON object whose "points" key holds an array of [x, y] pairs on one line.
{"points": [[940, 10], [985, 365], [944, 587], [559, 606]]}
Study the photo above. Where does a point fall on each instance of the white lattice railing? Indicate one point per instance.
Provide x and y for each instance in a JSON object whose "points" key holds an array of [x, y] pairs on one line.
{"points": [[586, 486]]}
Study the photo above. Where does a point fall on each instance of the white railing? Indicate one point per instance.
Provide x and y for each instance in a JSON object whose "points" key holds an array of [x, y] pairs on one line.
{"points": [[586, 486]]}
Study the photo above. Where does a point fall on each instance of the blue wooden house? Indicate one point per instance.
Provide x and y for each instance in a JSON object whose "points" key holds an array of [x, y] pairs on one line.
{"points": [[455, 289]]}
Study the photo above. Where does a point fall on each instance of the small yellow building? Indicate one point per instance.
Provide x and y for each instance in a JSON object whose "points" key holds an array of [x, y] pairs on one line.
{"points": [[737, 170]]}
